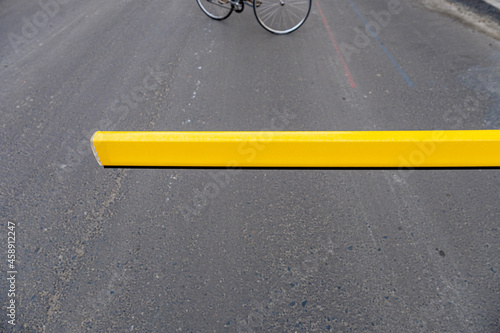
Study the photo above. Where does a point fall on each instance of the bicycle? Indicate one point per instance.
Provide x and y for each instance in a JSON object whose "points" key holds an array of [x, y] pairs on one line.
{"points": [[277, 16]]}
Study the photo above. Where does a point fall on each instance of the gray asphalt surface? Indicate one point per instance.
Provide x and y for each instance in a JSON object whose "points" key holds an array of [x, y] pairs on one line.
{"points": [[194, 250]]}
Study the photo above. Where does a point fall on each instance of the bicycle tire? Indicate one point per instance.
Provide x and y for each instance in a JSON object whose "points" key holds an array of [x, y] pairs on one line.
{"points": [[215, 9], [282, 17]]}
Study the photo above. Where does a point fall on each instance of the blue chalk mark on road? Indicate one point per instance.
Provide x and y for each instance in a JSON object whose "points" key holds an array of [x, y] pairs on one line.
{"points": [[367, 26]]}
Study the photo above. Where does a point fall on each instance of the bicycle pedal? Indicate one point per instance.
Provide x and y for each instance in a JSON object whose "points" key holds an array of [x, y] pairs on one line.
{"points": [[239, 7]]}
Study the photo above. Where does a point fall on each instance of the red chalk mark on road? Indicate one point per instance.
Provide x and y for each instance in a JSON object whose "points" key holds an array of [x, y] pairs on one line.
{"points": [[332, 38]]}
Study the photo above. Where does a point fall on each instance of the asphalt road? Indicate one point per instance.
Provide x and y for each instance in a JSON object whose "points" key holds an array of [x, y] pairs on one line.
{"points": [[194, 250]]}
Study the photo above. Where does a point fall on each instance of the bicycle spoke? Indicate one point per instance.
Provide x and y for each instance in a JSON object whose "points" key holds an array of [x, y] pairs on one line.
{"points": [[272, 13], [282, 16]]}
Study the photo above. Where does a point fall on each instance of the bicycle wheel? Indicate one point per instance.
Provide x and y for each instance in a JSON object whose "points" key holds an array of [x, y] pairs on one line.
{"points": [[216, 9], [282, 16]]}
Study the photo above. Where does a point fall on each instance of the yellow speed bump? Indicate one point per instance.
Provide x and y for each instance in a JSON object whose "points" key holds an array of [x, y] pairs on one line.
{"points": [[408, 149]]}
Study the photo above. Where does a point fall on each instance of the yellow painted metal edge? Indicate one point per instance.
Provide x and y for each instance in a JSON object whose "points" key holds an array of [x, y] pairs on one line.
{"points": [[94, 151], [404, 149]]}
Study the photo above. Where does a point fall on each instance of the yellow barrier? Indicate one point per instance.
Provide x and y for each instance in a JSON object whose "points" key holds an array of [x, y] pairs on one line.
{"points": [[409, 149]]}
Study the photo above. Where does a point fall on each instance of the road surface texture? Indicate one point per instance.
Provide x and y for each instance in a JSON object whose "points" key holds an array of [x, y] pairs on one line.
{"points": [[215, 250]]}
